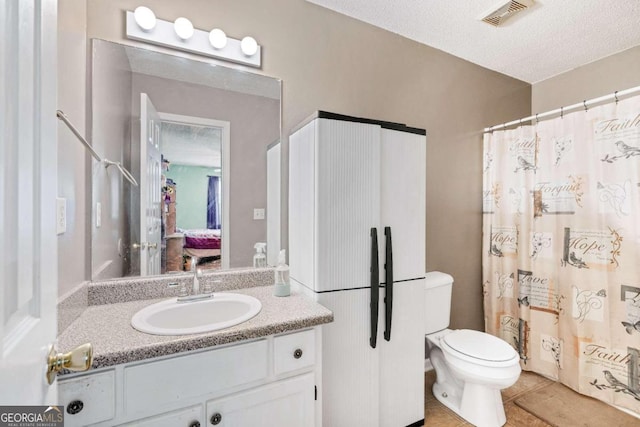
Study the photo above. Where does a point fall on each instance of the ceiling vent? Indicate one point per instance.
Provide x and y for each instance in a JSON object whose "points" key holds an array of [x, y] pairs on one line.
{"points": [[497, 15]]}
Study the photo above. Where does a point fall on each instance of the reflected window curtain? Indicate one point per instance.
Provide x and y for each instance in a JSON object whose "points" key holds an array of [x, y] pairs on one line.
{"points": [[213, 203], [561, 248]]}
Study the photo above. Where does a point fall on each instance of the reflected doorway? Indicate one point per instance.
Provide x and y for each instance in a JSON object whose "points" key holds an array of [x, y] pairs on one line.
{"points": [[195, 192]]}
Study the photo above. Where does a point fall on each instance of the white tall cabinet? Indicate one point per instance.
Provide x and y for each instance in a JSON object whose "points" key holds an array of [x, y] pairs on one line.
{"points": [[355, 184]]}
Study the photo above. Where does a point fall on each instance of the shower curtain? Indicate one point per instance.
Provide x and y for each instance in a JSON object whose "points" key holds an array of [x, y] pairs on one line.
{"points": [[561, 248]]}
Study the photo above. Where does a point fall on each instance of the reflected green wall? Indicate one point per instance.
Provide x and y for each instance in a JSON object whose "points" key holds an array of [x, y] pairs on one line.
{"points": [[191, 194]]}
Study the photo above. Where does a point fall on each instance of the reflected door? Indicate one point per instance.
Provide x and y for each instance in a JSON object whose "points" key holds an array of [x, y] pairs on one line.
{"points": [[150, 191]]}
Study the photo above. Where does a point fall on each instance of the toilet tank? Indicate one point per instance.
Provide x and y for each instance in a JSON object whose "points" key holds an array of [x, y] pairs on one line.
{"points": [[438, 288]]}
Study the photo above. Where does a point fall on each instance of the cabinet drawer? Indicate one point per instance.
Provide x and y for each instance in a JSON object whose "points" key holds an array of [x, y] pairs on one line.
{"points": [[93, 397], [152, 386], [294, 351], [190, 417]]}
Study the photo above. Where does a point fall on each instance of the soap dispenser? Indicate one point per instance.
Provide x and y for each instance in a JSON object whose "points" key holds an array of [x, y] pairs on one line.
{"points": [[281, 280], [260, 258]]}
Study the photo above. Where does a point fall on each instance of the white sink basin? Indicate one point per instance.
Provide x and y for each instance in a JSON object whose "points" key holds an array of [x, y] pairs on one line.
{"points": [[172, 318]]}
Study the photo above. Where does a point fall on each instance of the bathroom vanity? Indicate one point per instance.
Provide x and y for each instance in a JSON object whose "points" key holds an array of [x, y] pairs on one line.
{"points": [[243, 384], [267, 368]]}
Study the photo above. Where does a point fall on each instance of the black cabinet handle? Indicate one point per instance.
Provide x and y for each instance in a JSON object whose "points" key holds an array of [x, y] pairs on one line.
{"points": [[216, 418], [388, 278], [75, 407], [195, 424], [375, 284], [297, 354]]}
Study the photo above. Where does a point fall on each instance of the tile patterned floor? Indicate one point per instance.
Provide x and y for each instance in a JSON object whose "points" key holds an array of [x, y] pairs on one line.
{"points": [[436, 414]]}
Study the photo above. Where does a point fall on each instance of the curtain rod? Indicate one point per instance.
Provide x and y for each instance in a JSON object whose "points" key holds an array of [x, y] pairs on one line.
{"points": [[584, 104], [125, 173]]}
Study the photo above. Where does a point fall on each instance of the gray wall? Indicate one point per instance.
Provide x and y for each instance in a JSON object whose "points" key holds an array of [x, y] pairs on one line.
{"points": [[332, 62], [74, 182], [616, 72], [111, 132]]}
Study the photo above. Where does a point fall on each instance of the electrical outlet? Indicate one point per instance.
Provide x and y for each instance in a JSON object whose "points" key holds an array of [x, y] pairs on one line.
{"points": [[258, 213], [61, 215]]}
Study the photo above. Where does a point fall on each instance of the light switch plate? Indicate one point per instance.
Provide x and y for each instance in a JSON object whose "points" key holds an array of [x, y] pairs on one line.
{"points": [[258, 213], [61, 215]]}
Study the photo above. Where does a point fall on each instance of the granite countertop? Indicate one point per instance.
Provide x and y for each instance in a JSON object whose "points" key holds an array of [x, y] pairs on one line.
{"points": [[108, 328]]}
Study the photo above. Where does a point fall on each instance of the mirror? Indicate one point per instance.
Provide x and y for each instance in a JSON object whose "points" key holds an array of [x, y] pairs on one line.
{"points": [[200, 140]]}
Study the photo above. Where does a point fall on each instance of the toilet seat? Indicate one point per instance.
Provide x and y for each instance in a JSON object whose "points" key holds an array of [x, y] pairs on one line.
{"points": [[479, 348]]}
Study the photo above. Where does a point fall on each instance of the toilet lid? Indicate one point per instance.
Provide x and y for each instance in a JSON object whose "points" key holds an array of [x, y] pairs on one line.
{"points": [[479, 345]]}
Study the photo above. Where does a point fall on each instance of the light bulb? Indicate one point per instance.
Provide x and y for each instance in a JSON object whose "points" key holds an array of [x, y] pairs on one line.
{"points": [[183, 28], [249, 46], [145, 18], [217, 38]]}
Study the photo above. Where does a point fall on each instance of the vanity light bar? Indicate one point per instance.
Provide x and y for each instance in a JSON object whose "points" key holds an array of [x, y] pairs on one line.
{"points": [[163, 33]]}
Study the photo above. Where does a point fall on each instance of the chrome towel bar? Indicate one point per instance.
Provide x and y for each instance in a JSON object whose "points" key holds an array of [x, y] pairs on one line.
{"points": [[125, 173]]}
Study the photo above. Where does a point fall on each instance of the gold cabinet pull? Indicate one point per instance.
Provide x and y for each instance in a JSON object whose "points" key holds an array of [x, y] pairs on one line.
{"points": [[78, 359]]}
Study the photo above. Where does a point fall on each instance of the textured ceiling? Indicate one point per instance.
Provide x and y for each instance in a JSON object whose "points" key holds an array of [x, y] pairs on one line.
{"points": [[551, 37], [193, 145]]}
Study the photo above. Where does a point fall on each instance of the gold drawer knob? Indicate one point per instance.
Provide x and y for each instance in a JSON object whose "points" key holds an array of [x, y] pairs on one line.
{"points": [[78, 359]]}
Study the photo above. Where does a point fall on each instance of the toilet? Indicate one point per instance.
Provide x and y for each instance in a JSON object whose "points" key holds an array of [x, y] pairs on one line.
{"points": [[471, 366]]}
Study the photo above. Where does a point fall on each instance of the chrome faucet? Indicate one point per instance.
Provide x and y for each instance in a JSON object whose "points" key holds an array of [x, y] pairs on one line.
{"points": [[195, 287]]}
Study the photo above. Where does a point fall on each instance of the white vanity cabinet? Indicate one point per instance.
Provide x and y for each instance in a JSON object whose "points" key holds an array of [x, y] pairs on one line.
{"points": [[263, 382]]}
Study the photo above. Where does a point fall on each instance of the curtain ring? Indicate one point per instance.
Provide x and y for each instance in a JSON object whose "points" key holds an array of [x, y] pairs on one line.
{"points": [[537, 118], [615, 95], [585, 105], [562, 112]]}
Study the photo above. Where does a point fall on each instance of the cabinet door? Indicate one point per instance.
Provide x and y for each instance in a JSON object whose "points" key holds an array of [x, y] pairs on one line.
{"points": [[350, 381], [334, 199], [403, 202], [149, 386], [347, 202], [287, 403], [401, 365], [189, 417]]}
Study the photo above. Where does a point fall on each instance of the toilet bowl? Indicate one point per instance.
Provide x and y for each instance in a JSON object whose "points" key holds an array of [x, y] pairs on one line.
{"points": [[471, 366]]}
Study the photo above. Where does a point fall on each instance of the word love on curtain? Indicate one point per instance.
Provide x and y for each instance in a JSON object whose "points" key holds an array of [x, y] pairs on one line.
{"points": [[561, 248]]}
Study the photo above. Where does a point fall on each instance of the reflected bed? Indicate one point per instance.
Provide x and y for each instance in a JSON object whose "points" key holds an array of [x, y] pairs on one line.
{"points": [[201, 243]]}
